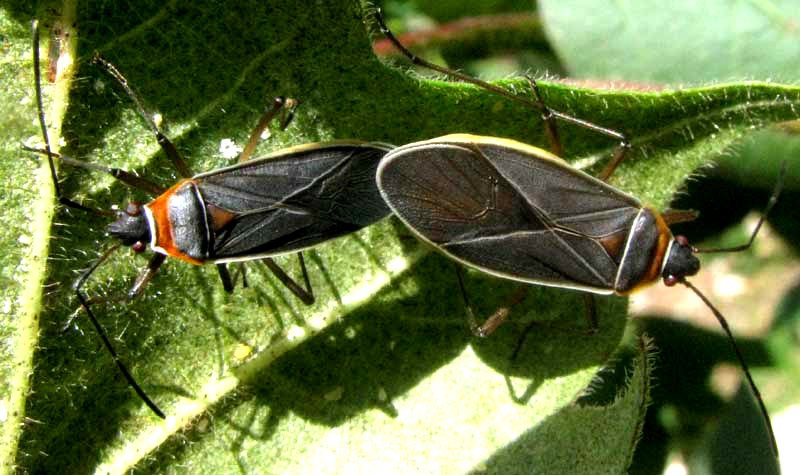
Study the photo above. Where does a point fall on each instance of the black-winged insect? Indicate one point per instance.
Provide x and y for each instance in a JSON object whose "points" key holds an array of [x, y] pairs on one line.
{"points": [[521, 213], [285, 202]]}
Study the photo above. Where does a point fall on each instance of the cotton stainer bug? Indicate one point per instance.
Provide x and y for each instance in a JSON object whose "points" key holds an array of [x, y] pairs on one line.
{"points": [[521, 213], [285, 202]]}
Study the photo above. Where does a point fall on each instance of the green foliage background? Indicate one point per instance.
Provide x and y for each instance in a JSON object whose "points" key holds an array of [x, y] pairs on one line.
{"points": [[381, 374]]}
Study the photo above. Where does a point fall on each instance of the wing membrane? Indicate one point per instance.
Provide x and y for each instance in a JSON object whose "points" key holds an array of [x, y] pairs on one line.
{"points": [[291, 202], [502, 210]]}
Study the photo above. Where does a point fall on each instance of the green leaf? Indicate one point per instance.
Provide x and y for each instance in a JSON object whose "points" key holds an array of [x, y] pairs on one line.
{"points": [[569, 430], [381, 374], [676, 42]]}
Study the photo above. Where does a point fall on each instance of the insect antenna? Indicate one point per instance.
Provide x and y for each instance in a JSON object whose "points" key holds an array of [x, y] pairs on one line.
{"points": [[770, 204], [120, 174], [37, 79], [85, 304], [724, 324]]}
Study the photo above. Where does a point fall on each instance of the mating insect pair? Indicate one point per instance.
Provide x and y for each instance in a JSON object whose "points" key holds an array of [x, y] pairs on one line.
{"points": [[587, 246]]}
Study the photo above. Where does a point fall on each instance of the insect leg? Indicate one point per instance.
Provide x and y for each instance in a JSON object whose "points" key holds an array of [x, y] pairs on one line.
{"points": [[494, 320], [228, 281], [449, 72], [146, 276], [163, 141], [287, 114], [282, 105], [138, 287], [776, 192], [549, 120], [591, 312], [279, 104], [674, 216], [225, 277], [307, 294], [242, 273], [549, 114], [126, 177], [106, 342]]}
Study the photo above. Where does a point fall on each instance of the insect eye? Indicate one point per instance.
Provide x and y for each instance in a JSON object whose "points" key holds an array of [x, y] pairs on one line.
{"points": [[681, 240], [133, 209], [670, 280], [138, 247]]}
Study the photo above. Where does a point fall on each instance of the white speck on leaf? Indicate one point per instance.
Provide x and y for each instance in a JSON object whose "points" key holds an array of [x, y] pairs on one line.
{"points": [[229, 149]]}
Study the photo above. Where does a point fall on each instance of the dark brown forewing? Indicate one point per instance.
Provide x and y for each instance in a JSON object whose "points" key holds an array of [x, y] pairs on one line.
{"points": [[568, 197], [508, 212], [295, 201]]}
